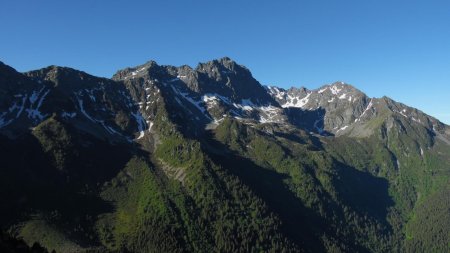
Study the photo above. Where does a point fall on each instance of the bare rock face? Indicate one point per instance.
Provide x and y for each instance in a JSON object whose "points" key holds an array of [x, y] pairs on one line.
{"points": [[337, 105], [340, 108], [124, 107]]}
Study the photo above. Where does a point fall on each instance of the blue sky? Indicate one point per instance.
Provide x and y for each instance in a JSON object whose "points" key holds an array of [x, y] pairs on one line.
{"points": [[396, 48]]}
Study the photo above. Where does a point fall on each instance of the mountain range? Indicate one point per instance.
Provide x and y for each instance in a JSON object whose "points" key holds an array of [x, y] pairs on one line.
{"points": [[176, 159]]}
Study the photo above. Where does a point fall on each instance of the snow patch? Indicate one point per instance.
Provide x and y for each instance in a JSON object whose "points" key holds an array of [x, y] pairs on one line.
{"points": [[141, 124], [319, 129], [35, 95], [403, 114], [213, 97], [300, 103], [277, 92], [335, 90], [20, 108], [109, 129], [271, 112], [3, 121], [263, 120], [68, 115], [323, 90], [197, 104], [365, 111], [34, 113], [342, 128], [416, 120], [83, 111], [134, 73], [173, 80], [80, 104], [246, 105], [150, 124]]}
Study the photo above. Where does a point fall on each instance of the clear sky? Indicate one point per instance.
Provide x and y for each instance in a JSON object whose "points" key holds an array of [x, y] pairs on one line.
{"points": [[383, 47]]}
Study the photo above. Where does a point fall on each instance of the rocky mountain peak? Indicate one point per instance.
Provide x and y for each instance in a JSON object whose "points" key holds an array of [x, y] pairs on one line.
{"points": [[138, 71], [220, 65], [223, 77], [339, 88], [223, 68], [4, 69], [207, 93], [227, 78], [10, 79], [57, 74], [66, 80]]}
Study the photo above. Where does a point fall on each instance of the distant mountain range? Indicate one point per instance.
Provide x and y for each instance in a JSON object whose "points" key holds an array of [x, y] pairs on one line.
{"points": [[175, 159]]}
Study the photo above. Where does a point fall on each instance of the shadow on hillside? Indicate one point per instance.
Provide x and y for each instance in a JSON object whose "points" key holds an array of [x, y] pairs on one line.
{"points": [[299, 223], [364, 192], [308, 120], [304, 139], [31, 183]]}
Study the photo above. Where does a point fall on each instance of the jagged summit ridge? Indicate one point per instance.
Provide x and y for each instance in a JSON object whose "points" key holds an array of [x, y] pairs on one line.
{"points": [[301, 97], [207, 94], [223, 77]]}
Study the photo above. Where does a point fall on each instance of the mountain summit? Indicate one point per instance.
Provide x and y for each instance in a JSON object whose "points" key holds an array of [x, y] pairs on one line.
{"points": [[178, 159]]}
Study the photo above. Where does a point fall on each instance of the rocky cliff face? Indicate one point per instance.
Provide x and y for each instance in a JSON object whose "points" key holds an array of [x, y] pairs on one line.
{"points": [[342, 109], [124, 107]]}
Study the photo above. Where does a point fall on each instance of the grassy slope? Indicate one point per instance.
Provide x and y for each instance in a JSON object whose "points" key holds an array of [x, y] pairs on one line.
{"points": [[417, 170], [75, 182], [243, 190], [330, 208]]}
